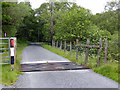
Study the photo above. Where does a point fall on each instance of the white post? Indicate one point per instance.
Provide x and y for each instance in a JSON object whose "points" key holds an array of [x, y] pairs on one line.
{"points": [[5, 34], [13, 51]]}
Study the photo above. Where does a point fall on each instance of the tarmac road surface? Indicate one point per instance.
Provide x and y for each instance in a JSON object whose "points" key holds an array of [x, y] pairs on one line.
{"points": [[58, 79]]}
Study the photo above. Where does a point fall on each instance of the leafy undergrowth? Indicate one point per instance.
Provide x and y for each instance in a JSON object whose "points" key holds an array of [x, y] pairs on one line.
{"points": [[109, 70], [10, 77]]}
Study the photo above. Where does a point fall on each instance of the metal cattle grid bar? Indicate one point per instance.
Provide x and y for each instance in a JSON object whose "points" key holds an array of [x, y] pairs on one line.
{"points": [[51, 66]]}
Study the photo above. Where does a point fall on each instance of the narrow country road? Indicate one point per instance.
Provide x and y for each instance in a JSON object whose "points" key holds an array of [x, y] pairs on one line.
{"points": [[58, 79], [36, 53]]}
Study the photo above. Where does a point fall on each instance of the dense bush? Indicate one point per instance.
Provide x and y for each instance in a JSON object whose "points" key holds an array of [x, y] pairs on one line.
{"points": [[113, 51]]}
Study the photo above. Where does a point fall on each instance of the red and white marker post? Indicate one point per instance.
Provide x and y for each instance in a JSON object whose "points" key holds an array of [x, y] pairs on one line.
{"points": [[12, 51]]}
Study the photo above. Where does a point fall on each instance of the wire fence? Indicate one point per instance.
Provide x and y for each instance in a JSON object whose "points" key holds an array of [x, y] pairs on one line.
{"points": [[109, 50]]}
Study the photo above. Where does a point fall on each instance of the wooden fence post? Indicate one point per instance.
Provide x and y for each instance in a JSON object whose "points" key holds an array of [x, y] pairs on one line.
{"points": [[87, 51], [56, 44], [60, 45], [70, 47], [99, 52], [64, 46], [77, 49], [53, 43], [105, 52]]}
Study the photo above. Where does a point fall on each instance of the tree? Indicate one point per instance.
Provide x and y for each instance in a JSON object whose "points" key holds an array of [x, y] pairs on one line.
{"points": [[12, 16], [68, 18], [74, 23], [114, 5], [52, 18], [109, 19], [52, 22]]}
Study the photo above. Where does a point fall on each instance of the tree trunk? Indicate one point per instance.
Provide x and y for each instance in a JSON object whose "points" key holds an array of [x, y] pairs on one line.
{"points": [[65, 46], [60, 45]]}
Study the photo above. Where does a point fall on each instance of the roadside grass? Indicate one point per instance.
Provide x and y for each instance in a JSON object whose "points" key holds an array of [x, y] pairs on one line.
{"points": [[10, 77], [60, 52], [109, 70]]}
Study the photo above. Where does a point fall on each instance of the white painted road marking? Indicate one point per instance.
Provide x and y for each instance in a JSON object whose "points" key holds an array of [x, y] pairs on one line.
{"points": [[81, 71], [46, 61]]}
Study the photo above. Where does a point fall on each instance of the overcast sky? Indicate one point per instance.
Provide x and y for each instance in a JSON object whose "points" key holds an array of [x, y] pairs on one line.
{"points": [[96, 6]]}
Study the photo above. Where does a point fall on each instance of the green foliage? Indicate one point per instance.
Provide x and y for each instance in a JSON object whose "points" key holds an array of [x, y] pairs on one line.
{"points": [[9, 29], [113, 5], [29, 31], [69, 19], [108, 70], [12, 16], [73, 22], [70, 22], [113, 47], [43, 17], [109, 19], [8, 76], [107, 23]]}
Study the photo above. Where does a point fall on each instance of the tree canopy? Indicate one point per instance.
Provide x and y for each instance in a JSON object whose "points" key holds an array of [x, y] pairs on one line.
{"points": [[13, 15], [70, 22]]}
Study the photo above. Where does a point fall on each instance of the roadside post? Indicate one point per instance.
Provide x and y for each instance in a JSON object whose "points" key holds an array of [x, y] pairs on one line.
{"points": [[13, 51]]}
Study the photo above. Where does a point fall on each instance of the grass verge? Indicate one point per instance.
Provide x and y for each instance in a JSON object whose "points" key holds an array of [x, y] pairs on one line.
{"points": [[109, 70], [10, 77]]}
